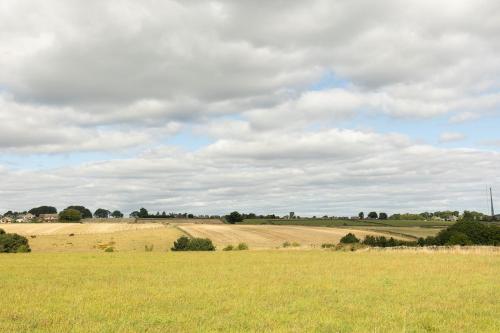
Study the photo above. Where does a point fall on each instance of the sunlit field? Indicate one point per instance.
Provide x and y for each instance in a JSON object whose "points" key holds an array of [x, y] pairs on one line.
{"points": [[74, 237], [281, 291]]}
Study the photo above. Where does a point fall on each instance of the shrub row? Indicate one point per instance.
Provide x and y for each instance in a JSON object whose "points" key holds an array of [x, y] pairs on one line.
{"points": [[460, 233], [465, 233], [239, 247]]}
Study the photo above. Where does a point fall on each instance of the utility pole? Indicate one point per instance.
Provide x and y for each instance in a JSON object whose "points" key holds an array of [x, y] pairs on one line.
{"points": [[492, 210]]}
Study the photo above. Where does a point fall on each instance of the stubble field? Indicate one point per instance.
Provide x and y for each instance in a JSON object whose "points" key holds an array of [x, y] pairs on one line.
{"points": [[272, 236]]}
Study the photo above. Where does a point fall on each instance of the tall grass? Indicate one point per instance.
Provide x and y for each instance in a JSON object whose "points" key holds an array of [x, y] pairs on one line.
{"points": [[281, 291]]}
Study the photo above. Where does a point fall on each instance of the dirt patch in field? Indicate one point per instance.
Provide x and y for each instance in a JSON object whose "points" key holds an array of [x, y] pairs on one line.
{"points": [[271, 236], [28, 229]]}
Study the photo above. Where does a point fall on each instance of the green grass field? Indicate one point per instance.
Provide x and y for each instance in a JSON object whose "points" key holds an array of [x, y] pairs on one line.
{"points": [[340, 223], [250, 291]]}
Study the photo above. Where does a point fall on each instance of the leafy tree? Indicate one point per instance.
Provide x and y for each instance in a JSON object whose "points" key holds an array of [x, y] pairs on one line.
{"points": [[85, 213], [382, 216], [190, 216], [117, 214], [473, 216], [43, 210], [373, 215], [143, 213], [349, 238], [234, 217], [361, 215], [102, 213], [134, 214], [70, 215]]}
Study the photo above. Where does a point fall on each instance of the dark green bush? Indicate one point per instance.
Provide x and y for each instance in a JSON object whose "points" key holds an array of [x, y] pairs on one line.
{"points": [[467, 233], [327, 245], [12, 243], [349, 239], [228, 248], [458, 238], [193, 244], [181, 244], [200, 244], [2, 231]]}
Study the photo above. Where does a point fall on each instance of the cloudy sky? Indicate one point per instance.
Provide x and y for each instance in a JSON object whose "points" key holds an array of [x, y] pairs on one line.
{"points": [[318, 107]]}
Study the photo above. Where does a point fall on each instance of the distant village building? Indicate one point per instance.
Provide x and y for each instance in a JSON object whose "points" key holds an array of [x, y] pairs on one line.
{"points": [[48, 217], [451, 218], [6, 219], [24, 218], [355, 217]]}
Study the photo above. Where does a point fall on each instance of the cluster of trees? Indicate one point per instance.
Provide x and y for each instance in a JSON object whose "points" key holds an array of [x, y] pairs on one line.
{"points": [[144, 214], [373, 215], [465, 232], [468, 215], [13, 243], [70, 213], [76, 213], [37, 211]]}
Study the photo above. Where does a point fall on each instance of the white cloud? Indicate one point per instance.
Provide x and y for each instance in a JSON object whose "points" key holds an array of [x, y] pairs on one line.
{"points": [[328, 172], [127, 75], [451, 137]]}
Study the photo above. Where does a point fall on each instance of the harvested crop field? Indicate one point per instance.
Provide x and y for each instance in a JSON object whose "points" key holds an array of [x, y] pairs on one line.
{"points": [[28, 229], [158, 239], [415, 232], [270, 236]]}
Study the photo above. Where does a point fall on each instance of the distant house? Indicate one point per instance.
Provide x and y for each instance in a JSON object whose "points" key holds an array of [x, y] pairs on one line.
{"points": [[6, 219], [48, 217], [451, 218], [24, 218], [355, 217]]}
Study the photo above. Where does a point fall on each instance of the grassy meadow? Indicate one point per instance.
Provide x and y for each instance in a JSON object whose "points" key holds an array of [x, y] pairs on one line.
{"points": [[250, 291], [319, 222]]}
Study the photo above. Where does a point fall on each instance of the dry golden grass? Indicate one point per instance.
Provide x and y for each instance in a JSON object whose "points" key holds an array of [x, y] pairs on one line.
{"points": [[271, 236], [28, 229], [161, 237]]}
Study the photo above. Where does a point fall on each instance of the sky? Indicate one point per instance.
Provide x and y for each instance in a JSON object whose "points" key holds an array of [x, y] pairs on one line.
{"points": [[317, 107]]}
